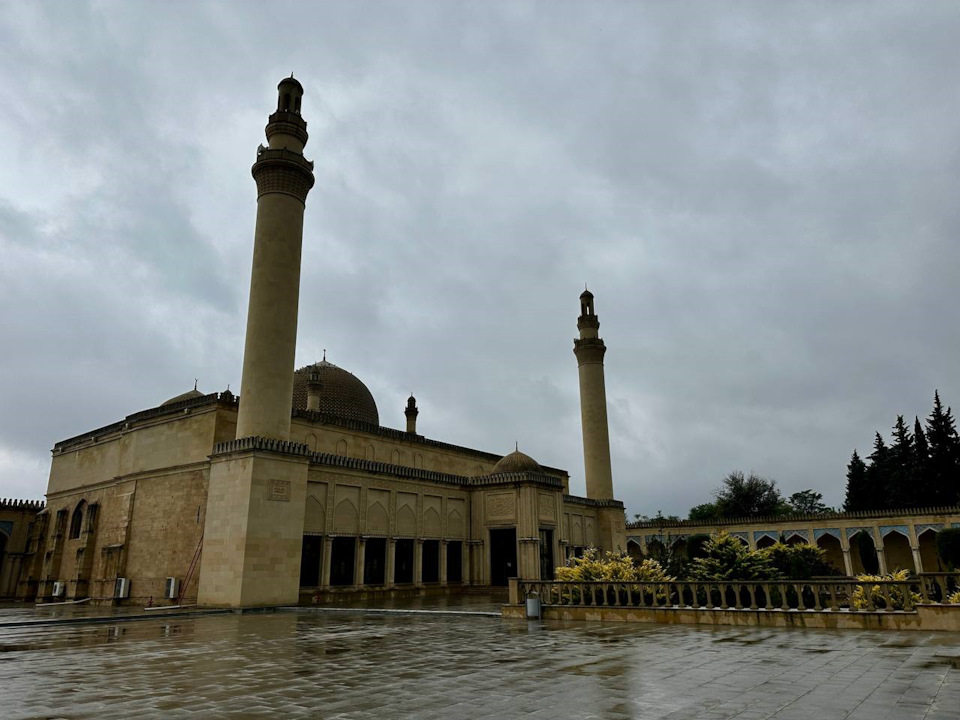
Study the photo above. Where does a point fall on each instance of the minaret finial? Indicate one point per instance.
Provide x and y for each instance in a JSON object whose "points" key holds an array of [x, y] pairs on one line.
{"points": [[195, 381]]}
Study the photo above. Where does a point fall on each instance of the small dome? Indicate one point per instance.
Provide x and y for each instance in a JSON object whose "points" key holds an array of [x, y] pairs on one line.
{"points": [[516, 462], [586, 294], [189, 395], [342, 394]]}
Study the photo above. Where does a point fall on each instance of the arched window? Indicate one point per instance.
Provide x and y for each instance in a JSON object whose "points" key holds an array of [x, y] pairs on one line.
{"points": [[77, 521], [286, 102]]}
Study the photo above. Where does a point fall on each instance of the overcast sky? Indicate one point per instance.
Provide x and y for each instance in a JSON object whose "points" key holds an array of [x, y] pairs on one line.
{"points": [[762, 196]]}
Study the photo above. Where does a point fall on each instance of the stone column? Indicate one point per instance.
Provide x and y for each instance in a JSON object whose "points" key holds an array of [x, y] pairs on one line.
{"points": [[443, 563], [361, 561], [325, 565], [283, 177], [847, 562], [917, 560], [418, 563], [476, 556], [881, 558], [391, 561], [529, 560]]}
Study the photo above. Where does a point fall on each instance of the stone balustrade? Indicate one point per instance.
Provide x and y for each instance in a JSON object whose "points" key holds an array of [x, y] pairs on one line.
{"points": [[833, 595]]}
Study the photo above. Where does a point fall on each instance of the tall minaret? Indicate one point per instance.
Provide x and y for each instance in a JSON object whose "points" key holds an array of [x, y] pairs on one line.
{"points": [[284, 177], [589, 350]]}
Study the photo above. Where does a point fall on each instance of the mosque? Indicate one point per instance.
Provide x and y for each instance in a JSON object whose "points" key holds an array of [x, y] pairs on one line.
{"points": [[293, 491]]}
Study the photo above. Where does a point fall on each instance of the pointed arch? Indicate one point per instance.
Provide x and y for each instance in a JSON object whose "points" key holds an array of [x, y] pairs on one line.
{"points": [[76, 521], [431, 522], [406, 522], [346, 519], [378, 522]]}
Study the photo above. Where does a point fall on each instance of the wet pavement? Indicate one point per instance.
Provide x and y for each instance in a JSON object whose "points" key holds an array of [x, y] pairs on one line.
{"points": [[342, 665]]}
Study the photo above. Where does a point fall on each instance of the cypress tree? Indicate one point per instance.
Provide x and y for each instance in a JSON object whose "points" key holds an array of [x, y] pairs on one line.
{"points": [[857, 495], [921, 466], [944, 454], [877, 476], [901, 492]]}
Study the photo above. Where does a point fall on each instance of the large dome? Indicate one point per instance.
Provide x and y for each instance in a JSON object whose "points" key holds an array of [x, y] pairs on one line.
{"points": [[342, 394], [189, 395], [516, 462]]}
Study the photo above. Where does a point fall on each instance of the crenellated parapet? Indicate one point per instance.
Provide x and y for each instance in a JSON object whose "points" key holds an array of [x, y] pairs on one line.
{"points": [[15, 504]]}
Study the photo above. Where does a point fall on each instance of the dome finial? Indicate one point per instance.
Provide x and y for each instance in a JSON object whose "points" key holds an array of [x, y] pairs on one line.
{"points": [[195, 381], [324, 354]]}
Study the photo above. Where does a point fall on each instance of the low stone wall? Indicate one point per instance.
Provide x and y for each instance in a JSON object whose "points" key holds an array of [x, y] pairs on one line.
{"points": [[924, 617]]}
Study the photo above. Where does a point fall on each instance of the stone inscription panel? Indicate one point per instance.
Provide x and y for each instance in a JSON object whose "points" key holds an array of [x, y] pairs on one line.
{"points": [[279, 490]]}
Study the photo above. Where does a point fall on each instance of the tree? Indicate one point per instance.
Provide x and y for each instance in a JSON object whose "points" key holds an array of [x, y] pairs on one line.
{"points": [[876, 476], [901, 492], [706, 511], [944, 455], [751, 496], [925, 495], [857, 490], [808, 502], [948, 547]]}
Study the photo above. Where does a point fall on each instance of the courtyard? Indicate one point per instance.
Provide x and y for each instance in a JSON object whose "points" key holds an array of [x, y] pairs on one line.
{"points": [[343, 663]]}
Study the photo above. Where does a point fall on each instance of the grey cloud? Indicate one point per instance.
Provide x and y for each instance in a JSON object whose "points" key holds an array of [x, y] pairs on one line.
{"points": [[762, 198]]}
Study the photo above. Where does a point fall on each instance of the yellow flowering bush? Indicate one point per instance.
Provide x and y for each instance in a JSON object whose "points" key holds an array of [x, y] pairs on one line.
{"points": [[860, 599], [615, 568], [954, 599]]}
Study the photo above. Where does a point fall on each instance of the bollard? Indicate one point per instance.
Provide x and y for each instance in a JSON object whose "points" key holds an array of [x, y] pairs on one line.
{"points": [[533, 605]]}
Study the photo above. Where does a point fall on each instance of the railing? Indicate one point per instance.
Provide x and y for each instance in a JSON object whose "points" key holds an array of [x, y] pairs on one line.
{"points": [[784, 595]]}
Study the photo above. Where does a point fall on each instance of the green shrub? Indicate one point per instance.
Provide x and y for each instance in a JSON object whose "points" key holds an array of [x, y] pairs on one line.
{"points": [[948, 547], [727, 558], [799, 562]]}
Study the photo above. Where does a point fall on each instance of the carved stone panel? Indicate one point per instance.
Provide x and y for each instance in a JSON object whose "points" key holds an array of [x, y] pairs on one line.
{"points": [[546, 507], [501, 506]]}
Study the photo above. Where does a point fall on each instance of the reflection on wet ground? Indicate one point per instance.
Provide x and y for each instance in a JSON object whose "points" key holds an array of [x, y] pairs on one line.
{"points": [[321, 665]]}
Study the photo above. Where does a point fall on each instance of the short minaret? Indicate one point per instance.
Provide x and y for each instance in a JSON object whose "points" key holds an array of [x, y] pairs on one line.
{"points": [[589, 349], [283, 177], [411, 412]]}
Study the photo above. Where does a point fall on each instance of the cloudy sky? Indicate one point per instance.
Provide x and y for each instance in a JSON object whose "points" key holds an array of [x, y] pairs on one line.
{"points": [[762, 196]]}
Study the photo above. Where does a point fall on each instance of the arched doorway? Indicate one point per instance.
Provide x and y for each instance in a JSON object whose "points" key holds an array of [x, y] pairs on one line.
{"points": [[896, 550], [833, 552], [929, 557], [765, 542], [796, 539], [863, 554], [634, 551]]}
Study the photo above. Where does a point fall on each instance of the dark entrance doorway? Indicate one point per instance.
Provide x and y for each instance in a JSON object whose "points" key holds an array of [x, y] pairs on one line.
{"points": [[503, 555], [375, 561], [310, 555], [546, 555], [455, 561], [342, 560], [430, 572], [403, 563]]}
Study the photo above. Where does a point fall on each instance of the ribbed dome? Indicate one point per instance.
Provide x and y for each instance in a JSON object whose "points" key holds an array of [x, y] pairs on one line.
{"points": [[516, 462], [189, 395], [342, 394]]}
